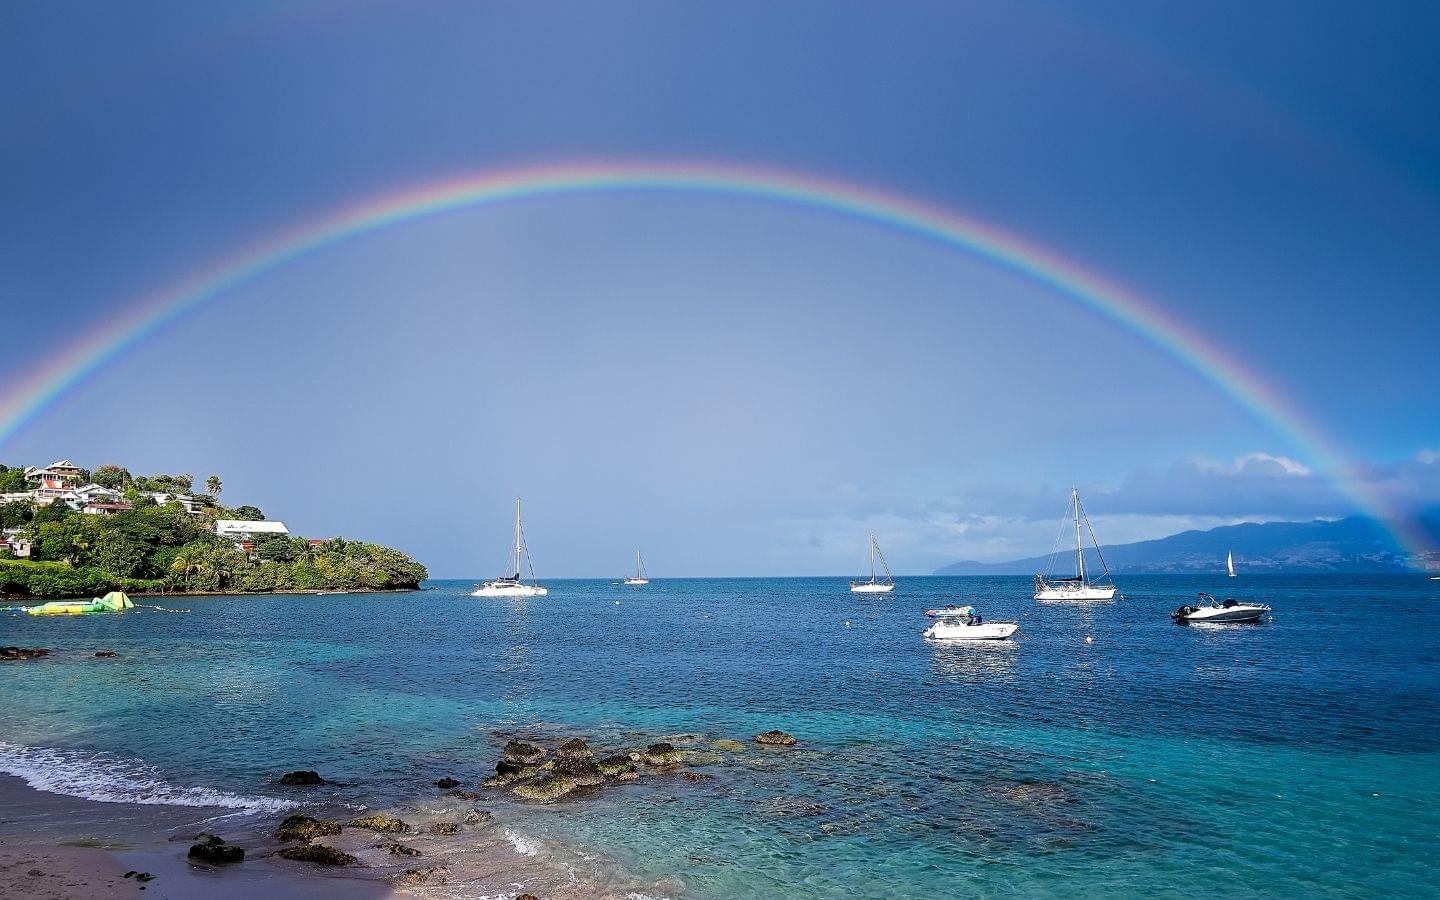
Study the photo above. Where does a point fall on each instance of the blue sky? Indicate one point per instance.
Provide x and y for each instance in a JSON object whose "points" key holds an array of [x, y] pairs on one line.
{"points": [[735, 386]]}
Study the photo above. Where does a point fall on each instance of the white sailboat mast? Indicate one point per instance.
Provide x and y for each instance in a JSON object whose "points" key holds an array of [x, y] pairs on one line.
{"points": [[517, 538], [872, 559], [1079, 546]]}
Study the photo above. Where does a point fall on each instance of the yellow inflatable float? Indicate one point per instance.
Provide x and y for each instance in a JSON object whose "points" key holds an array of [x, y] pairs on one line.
{"points": [[115, 601]]}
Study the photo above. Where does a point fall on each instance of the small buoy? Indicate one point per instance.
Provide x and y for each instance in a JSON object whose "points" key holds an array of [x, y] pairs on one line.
{"points": [[847, 623], [617, 602], [1152, 781], [1089, 639], [1375, 795]]}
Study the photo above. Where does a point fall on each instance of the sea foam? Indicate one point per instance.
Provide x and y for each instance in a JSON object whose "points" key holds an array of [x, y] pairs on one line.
{"points": [[106, 778]]}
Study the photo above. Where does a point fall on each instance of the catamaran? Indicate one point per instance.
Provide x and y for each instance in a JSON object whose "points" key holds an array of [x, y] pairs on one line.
{"points": [[512, 585], [875, 585], [1077, 587], [1230, 563], [641, 576]]}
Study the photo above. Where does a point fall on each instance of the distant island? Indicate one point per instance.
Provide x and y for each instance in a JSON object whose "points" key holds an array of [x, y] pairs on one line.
{"points": [[68, 532], [1351, 545]]}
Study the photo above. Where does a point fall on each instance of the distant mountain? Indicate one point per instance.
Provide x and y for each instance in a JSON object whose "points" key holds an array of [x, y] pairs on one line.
{"points": [[1347, 545]]}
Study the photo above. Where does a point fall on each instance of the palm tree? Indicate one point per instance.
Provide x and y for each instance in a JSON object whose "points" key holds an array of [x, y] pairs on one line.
{"points": [[213, 486]]}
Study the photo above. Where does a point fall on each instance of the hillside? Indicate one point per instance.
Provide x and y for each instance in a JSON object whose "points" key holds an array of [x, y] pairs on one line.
{"points": [[67, 532], [1347, 545]]}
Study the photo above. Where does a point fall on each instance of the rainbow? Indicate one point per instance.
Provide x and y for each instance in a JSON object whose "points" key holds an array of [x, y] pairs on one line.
{"points": [[33, 394]]}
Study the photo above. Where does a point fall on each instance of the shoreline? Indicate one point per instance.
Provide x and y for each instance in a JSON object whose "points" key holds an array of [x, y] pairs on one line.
{"points": [[164, 594], [82, 848]]}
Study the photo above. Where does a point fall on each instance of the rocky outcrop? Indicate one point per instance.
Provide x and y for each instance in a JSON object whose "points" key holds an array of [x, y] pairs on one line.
{"points": [[580, 769], [728, 745], [775, 739], [14, 653], [523, 752], [575, 748], [696, 776], [465, 795], [319, 854], [398, 849], [545, 787], [619, 767], [445, 828], [421, 876], [662, 754], [479, 818], [379, 823], [212, 849], [304, 828], [447, 783], [106, 653], [302, 777]]}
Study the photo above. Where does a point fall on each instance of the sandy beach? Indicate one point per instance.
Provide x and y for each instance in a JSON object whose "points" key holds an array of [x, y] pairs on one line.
{"points": [[58, 847]]}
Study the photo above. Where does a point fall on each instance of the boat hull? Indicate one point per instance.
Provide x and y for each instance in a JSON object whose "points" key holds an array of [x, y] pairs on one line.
{"points": [[870, 587], [636, 581], [1224, 615], [957, 631], [510, 590], [1087, 593]]}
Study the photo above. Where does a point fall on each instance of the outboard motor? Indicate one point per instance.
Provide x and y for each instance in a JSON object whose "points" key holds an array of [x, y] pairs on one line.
{"points": [[1180, 614]]}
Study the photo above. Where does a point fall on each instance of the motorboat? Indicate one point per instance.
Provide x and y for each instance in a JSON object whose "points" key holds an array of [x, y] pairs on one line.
{"points": [[514, 585], [641, 576], [876, 584], [1219, 612], [1078, 587], [962, 623]]}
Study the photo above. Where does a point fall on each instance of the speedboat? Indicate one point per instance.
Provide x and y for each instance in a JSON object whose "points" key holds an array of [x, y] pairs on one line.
{"points": [[962, 623], [1217, 612]]}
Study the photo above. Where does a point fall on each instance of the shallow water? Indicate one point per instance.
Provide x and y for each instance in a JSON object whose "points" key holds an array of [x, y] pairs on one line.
{"points": [[1298, 755]]}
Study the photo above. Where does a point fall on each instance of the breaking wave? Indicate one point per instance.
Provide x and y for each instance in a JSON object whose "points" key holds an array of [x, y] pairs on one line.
{"points": [[106, 778]]}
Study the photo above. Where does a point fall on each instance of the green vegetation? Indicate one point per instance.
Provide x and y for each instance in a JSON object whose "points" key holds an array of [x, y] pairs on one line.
{"points": [[153, 547]]}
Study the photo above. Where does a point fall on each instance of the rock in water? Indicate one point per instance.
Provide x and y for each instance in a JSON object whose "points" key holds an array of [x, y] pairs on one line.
{"points": [[696, 776], [575, 748], [319, 854], [303, 828], [395, 849], [445, 828], [447, 783], [580, 769], [212, 849], [382, 824], [465, 795], [775, 739], [302, 776], [523, 752], [545, 788], [8, 653], [620, 767], [662, 754], [421, 876], [728, 745], [106, 653]]}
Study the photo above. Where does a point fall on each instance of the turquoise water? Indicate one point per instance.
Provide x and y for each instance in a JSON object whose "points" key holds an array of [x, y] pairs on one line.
{"points": [[1302, 755]]}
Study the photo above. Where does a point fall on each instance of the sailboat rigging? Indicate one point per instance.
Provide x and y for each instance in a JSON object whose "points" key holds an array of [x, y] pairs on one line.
{"points": [[641, 576], [1230, 563], [1078, 587], [513, 585], [875, 585]]}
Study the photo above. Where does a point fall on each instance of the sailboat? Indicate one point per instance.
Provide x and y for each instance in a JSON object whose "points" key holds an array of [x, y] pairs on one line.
{"points": [[641, 576], [1078, 587], [512, 585], [875, 585], [1230, 563]]}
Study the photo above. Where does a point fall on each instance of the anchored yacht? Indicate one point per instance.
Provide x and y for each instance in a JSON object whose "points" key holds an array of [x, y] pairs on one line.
{"points": [[875, 585], [514, 585], [1078, 586], [641, 576]]}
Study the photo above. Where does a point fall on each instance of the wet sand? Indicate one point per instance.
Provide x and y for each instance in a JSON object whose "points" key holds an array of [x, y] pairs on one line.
{"points": [[58, 848]]}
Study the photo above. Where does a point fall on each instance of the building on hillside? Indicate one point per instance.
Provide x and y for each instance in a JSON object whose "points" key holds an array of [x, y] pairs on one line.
{"points": [[59, 474], [94, 493], [13, 539], [103, 508], [241, 529], [18, 497], [193, 505]]}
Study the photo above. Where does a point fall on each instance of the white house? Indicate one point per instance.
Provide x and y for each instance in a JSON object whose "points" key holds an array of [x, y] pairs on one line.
{"points": [[59, 474], [12, 539], [237, 529], [192, 505]]}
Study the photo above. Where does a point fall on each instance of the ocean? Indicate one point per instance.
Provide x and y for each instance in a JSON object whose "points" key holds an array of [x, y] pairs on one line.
{"points": [[1106, 752]]}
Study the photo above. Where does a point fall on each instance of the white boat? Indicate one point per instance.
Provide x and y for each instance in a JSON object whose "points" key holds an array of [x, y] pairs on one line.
{"points": [[641, 576], [875, 585], [1230, 564], [962, 623], [514, 585], [1078, 587], [1216, 613]]}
